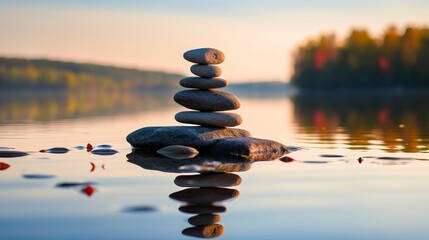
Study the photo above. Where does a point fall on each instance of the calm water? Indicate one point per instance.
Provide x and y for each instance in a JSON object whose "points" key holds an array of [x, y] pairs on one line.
{"points": [[358, 169]]}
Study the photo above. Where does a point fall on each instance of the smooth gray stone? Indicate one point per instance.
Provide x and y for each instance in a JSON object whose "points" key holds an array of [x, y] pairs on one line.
{"points": [[204, 219], [205, 231], [199, 164], [254, 149], [206, 71], [178, 152], [204, 195], [196, 137], [203, 83], [204, 56], [208, 180], [209, 118], [207, 100]]}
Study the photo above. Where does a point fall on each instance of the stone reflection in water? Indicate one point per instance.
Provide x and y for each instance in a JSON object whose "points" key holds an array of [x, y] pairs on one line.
{"points": [[201, 193], [204, 192]]}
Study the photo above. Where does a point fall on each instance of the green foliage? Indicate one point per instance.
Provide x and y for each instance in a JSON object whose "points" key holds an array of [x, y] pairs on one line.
{"points": [[22, 73], [392, 60]]}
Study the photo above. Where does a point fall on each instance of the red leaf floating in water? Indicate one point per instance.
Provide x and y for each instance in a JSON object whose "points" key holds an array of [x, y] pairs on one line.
{"points": [[88, 190], [286, 159], [360, 160], [92, 167], [89, 147], [42, 151], [4, 166]]}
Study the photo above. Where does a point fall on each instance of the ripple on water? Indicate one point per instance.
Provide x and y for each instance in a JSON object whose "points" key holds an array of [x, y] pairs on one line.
{"points": [[74, 184]]}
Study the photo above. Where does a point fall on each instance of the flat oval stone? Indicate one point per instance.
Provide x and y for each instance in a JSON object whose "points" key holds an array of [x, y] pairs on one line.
{"points": [[207, 100], [209, 118], [197, 137], [203, 83], [208, 180], [204, 56], [11, 154], [206, 71], [204, 195], [202, 209], [204, 219], [178, 152], [206, 231]]}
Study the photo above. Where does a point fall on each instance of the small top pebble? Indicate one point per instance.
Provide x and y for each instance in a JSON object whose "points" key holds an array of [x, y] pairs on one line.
{"points": [[204, 56]]}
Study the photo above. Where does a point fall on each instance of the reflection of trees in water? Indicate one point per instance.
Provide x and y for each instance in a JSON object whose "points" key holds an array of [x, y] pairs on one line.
{"points": [[391, 118], [45, 106]]}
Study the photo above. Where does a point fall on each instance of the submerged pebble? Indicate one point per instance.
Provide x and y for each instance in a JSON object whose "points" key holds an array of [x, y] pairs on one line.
{"points": [[79, 147]]}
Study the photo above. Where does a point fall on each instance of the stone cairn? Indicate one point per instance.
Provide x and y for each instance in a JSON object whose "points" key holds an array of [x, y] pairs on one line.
{"points": [[208, 102], [214, 134]]}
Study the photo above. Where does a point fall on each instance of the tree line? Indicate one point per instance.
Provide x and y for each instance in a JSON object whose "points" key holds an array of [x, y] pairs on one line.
{"points": [[394, 59], [18, 73]]}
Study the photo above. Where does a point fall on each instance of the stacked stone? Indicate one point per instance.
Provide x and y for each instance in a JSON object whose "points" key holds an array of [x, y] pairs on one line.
{"points": [[208, 102]]}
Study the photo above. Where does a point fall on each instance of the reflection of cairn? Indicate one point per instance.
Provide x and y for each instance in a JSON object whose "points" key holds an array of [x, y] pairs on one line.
{"points": [[201, 194], [203, 97]]}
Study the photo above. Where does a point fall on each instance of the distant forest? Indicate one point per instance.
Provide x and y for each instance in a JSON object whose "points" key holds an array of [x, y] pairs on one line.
{"points": [[394, 59], [46, 74]]}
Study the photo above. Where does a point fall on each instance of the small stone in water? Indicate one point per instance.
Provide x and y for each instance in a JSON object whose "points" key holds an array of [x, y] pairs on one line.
{"points": [[11, 154], [57, 150], [178, 152], [104, 151]]}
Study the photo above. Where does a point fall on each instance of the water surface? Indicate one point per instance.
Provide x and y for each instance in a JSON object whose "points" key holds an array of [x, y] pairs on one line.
{"points": [[358, 169]]}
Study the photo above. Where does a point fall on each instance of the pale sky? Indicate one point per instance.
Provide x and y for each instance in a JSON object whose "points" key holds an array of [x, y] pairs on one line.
{"points": [[257, 37]]}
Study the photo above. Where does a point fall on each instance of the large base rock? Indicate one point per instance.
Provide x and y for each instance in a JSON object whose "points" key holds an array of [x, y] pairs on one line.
{"points": [[249, 148], [196, 137]]}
